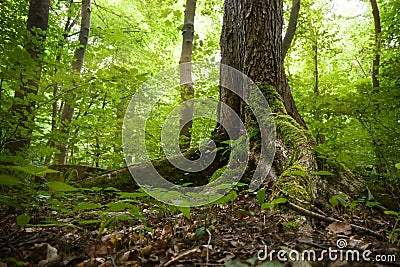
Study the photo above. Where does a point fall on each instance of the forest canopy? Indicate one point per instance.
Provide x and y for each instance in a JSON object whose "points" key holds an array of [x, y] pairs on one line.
{"points": [[328, 66]]}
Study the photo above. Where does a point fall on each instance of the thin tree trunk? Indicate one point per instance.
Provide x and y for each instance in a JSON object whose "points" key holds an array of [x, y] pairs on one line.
{"points": [[55, 108], [316, 72], [23, 108], [375, 78], [187, 90], [291, 29], [77, 64], [378, 30]]}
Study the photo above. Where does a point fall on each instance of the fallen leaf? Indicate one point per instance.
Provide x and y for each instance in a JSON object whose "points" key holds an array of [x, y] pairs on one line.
{"points": [[99, 248], [340, 227]]}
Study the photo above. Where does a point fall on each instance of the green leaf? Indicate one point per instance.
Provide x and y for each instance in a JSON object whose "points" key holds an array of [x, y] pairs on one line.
{"points": [[244, 212], [261, 196], [45, 171], [119, 206], [51, 223], [34, 170], [23, 219], [87, 206], [132, 195], [185, 211], [136, 213], [334, 201], [114, 219], [390, 212], [223, 186], [60, 186], [279, 201], [95, 189], [371, 204], [252, 261], [273, 203], [341, 198], [200, 232], [112, 189], [9, 180], [267, 206], [322, 173], [232, 195], [397, 165], [86, 222]]}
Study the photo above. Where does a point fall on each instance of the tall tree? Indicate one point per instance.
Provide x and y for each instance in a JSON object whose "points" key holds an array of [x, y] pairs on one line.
{"points": [[375, 80], [187, 90], [251, 42], [23, 108], [77, 64], [378, 30], [69, 25]]}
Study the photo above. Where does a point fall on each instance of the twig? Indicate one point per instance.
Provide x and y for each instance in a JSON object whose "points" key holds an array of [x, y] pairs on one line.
{"points": [[181, 256], [208, 245], [312, 244], [300, 201], [317, 216], [113, 261]]}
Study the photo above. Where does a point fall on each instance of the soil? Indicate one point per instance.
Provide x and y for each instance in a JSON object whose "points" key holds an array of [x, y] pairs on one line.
{"points": [[233, 234]]}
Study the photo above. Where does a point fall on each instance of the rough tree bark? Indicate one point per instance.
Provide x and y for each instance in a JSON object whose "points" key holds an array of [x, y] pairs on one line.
{"points": [[187, 90], [251, 42], [241, 41], [77, 64], [24, 106], [291, 29]]}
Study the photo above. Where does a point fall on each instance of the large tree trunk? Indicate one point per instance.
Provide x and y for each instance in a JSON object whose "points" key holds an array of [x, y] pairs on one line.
{"points": [[23, 108], [187, 90], [252, 43], [77, 64]]}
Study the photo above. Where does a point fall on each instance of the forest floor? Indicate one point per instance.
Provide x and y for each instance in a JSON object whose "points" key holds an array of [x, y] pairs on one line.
{"points": [[233, 234]]}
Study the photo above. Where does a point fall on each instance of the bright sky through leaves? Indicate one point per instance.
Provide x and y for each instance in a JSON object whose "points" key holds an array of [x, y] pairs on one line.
{"points": [[349, 8]]}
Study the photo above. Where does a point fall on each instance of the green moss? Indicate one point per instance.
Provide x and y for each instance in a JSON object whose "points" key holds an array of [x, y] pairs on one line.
{"points": [[217, 174], [295, 182], [274, 100], [291, 132], [291, 225], [122, 181]]}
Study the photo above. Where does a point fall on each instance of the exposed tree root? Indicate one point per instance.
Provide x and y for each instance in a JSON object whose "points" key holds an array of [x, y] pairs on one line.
{"points": [[320, 217]]}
